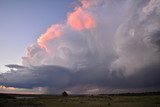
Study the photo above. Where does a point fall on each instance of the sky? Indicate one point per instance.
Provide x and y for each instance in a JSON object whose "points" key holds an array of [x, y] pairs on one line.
{"points": [[79, 46], [22, 22]]}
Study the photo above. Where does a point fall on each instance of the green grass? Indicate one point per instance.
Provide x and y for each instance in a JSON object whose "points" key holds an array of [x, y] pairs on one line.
{"points": [[82, 101]]}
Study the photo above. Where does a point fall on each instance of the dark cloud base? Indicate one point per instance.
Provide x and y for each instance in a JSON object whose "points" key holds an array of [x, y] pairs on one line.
{"points": [[57, 79]]}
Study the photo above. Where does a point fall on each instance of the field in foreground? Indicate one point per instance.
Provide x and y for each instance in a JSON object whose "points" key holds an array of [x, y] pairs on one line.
{"points": [[126, 100]]}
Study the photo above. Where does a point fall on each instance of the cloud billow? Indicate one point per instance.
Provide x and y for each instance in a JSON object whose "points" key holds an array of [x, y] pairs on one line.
{"points": [[117, 47]]}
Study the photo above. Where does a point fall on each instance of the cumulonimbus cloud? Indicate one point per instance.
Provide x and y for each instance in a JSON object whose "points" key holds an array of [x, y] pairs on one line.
{"points": [[104, 44]]}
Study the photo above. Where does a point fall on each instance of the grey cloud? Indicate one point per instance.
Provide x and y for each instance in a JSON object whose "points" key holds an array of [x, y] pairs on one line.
{"points": [[43, 76], [15, 66], [57, 79], [136, 41], [121, 52]]}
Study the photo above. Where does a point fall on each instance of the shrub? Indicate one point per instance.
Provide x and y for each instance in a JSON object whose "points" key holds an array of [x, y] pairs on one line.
{"points": [[64, 94]]}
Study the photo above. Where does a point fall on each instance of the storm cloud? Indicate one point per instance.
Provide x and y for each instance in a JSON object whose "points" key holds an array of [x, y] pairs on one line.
{"points": [[114, 45]]}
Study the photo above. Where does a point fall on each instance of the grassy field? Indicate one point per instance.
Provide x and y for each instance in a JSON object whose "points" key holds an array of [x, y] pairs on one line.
{"points": [[79, 101]]}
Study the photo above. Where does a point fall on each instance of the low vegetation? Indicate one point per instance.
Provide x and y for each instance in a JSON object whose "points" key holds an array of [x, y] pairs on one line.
{"points": [[123, 100]]}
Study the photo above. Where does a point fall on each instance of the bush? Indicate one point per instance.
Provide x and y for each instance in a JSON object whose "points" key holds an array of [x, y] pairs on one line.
{"points": [[64, 94]]}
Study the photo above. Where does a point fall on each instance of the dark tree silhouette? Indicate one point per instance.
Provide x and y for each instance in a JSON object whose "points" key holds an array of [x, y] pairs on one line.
{"points": [[64, 94]]}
